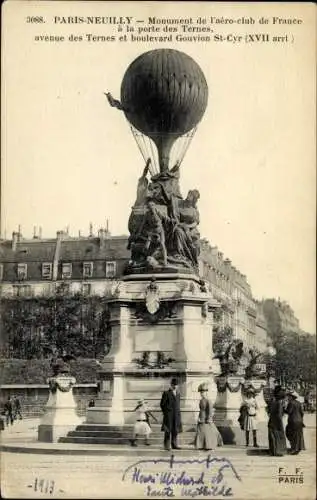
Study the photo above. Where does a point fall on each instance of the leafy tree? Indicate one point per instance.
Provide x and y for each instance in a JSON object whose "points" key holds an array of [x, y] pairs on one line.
{"points": [[295, 360], [221, 337], [41, 327]]}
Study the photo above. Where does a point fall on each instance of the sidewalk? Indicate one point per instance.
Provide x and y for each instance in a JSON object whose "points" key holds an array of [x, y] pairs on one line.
{"points": [[21, 437]]}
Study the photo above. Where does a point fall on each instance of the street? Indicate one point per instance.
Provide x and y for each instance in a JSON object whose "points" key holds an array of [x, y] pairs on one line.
{"points": [[241, 473]]}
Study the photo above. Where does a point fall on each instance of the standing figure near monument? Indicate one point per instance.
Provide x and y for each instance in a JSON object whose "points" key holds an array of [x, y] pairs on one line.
{"points": [[207, 435], [249, 410], [172, 424], [17, 408], [8, 409], [277, 439], [295, 424]]}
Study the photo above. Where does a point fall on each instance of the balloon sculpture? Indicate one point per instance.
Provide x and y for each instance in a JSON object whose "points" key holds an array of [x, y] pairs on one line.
{"points": [[164, 95]]}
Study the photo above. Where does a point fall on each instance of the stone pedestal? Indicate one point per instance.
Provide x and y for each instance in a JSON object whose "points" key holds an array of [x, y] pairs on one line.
{"points": [[227, 409], [60, 412], [176, 322]]}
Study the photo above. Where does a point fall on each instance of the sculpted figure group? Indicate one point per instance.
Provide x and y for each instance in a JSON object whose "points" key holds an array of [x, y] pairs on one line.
{"points": [[163, 226]]}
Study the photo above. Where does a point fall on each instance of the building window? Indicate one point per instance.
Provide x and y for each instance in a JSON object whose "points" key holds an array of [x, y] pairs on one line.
{"points": [[47, 270], [86, 288], [110, 269], [1, 272], [22, 271], [87, 269], [22, 290], [66, 271]]}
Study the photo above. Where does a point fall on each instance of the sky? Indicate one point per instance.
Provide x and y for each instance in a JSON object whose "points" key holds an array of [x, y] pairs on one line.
{"points": [[69, 159]]}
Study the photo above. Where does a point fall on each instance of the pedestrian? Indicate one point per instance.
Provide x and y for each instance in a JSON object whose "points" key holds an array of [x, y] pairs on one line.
{"points": [[17, 408], [248, 415], [2, 420], [295, 424], [142, 425], [171, 409], [277, 439], [207, 435], [91, 403], [8, 408]]}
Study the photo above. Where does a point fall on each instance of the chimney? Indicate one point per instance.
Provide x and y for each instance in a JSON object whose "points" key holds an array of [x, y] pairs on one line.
{"points": [[40, 232], [34, 233], [15, 239], [102, 237], [107, 232], [59, 237], [90, 230]]}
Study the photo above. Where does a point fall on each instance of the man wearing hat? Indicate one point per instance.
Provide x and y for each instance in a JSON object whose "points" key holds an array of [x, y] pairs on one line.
{"points": [[172, 424]]}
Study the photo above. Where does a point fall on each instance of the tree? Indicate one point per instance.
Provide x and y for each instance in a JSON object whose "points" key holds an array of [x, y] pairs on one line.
{"points": [[40, 327], [221, 337], [295, 361]]}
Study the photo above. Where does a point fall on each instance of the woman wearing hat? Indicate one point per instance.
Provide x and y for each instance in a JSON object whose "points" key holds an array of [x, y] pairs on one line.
{"points": [[248, 412], [277, 439], [295, 424], [207, 434]]}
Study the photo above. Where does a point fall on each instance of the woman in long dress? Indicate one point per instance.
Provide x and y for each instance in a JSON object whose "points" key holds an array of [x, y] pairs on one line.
{"points": [[295, 424], [277, 439], [207, 435], [250, 421]]}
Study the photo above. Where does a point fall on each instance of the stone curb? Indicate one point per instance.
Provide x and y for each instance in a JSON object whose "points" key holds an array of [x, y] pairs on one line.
{"points": [[53, 448]]}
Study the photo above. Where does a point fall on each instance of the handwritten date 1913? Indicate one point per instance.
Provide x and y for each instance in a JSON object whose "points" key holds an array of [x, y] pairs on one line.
{"points": [[43, 485]]}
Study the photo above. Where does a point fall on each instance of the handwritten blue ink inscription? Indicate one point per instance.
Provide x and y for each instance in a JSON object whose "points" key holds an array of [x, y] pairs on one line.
{"points": [[206, 477]]}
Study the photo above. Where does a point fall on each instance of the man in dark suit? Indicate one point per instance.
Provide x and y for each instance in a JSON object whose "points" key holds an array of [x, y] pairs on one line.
{"points": [[172, 424]]}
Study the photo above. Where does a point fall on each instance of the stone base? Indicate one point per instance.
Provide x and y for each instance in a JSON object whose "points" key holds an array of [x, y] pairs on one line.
{"points": [[60, 415], [118, 410], [114, 435], [48, 433]]}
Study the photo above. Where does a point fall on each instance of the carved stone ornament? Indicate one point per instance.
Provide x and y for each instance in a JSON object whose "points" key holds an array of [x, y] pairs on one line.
{"points": [[234, 384], [204, 309], [255, 384], [152, 297], [63, 383], [160, 360], [166, 310]]}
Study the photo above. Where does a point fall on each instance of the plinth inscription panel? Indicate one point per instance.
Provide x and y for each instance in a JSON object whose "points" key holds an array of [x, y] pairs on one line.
{"points": [[154, 338]]}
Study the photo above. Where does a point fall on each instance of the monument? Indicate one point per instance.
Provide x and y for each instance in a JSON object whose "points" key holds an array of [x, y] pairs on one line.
{"points": [[160, 313]]}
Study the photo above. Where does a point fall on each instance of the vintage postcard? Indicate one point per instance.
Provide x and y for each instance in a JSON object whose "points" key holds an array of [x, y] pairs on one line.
{"points": [[157, 250]]}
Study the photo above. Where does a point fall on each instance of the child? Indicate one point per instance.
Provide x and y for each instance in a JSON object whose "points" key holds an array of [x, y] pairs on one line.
{"points": [[248, 413], [142, 425]]}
